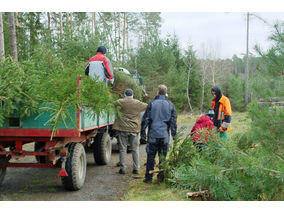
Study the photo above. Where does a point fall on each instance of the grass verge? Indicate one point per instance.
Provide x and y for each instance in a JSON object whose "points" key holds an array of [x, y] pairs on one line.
{"points": [[140, 191]]}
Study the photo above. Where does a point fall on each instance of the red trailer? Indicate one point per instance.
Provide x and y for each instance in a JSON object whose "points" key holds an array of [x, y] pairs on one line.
{"points": [[66, 149]]}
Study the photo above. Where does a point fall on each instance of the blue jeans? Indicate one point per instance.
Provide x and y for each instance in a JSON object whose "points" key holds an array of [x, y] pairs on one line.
{"points": [[154, 145]]}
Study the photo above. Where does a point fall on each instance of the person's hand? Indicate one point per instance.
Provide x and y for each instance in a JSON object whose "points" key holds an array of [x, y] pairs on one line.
{"points": [[222, 129], [143, 138]]}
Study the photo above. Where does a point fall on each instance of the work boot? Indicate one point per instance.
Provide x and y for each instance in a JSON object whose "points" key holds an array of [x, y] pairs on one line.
{"points": [[160, 177], [147, 181], [122, 171], [136, 172]]}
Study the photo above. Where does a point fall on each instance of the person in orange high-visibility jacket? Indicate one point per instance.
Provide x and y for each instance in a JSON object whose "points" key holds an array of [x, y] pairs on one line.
{"points": [[222, 112]]}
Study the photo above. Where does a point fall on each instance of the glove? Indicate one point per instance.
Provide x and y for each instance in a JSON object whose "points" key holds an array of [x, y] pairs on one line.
{"points": [[222, 129], [143, 138]]}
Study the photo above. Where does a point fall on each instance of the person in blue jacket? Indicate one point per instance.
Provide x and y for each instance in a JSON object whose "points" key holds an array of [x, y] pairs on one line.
{"points": [[160, 117]]}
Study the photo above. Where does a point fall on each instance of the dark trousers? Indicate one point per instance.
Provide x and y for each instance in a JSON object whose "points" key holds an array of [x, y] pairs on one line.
{"points": [[154, 145]]}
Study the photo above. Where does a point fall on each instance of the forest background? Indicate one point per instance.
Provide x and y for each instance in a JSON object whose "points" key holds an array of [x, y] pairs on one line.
{"points": [[43, 52]]}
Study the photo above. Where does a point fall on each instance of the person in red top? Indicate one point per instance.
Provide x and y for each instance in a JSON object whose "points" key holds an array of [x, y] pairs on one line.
{"points": [[204, 121], [100, 56]]}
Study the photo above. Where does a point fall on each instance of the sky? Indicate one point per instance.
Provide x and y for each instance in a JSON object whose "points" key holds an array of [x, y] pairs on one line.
{"points": [[223, 33]]}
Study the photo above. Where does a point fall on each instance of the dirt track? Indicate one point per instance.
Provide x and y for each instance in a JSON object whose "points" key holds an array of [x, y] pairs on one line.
{"points": [[102, 183]]}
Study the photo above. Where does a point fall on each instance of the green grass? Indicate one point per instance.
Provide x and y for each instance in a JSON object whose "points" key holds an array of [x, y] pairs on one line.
{"points": [[51, 190], [241, 124], [185, 118], [140, 191]]}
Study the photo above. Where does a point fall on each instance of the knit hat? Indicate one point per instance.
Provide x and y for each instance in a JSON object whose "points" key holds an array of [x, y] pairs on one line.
{"points": [[102, 49], [128, 92]]}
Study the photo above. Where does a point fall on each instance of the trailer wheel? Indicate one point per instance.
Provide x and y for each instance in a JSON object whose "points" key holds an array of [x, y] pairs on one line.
{"points": [[37, 147], [2, 174], [3, 168], [102, 148], [75, 166]]}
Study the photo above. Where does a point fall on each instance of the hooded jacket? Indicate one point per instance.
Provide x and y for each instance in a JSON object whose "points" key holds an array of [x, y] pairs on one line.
{"points": [[160, 116], [130, 120], [201, 123], [222, 109], [108, 67]]}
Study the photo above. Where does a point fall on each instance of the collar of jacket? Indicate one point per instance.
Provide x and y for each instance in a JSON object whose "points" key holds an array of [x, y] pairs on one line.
{"points": [[99, 53], [222, 99], [128, 97], [163, 97]]}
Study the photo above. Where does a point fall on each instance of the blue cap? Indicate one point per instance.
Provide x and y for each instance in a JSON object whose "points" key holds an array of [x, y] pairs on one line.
{"points": [[102, 49], [128, 92]]}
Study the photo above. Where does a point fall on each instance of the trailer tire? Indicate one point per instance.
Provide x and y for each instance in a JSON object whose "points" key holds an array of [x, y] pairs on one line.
{"points": [[3, 161], [102, 148], [75, 167], [2, 174]]}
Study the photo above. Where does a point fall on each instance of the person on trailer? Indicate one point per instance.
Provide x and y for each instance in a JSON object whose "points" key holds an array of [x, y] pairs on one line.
{"points": [[99, 66]]}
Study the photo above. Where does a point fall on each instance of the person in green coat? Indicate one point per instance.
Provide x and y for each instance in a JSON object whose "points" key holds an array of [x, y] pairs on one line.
{"points": [[128, 126]]}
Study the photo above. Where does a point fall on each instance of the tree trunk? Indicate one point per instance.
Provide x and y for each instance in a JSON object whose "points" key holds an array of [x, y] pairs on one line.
{"points": [[71, 25], [13, 39], [204, 68], [147, 29], [112, 43], [2, 46], [247, 71], [17, 22], [187, 88], [61, 26], [213, 68], [94, 23], [48, 20], [127, 40], [124, 27], [119, 38]]}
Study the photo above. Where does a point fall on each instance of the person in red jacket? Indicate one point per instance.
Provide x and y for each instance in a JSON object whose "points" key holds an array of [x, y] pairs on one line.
{"points": [[100, 56], [204, 121]]}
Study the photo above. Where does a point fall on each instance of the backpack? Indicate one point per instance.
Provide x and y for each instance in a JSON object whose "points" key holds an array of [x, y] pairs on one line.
{"points": [[98, 71]]}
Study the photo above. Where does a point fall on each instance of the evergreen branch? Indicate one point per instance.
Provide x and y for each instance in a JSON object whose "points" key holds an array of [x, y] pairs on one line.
{"points": [[189, 184], [270, 170], [23, 93], [244, 168], [238, 151], [54, 128], [232, 169], [3, 97], [279, 157], [8, 85]]}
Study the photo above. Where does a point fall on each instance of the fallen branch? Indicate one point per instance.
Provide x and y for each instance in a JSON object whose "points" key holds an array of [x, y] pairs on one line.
{"points": [[155, 171], [270, 170], [196, 194]]}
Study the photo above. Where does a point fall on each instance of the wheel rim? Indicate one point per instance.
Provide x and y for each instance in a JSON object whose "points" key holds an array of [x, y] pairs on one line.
{"points": [[108, 149]]}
